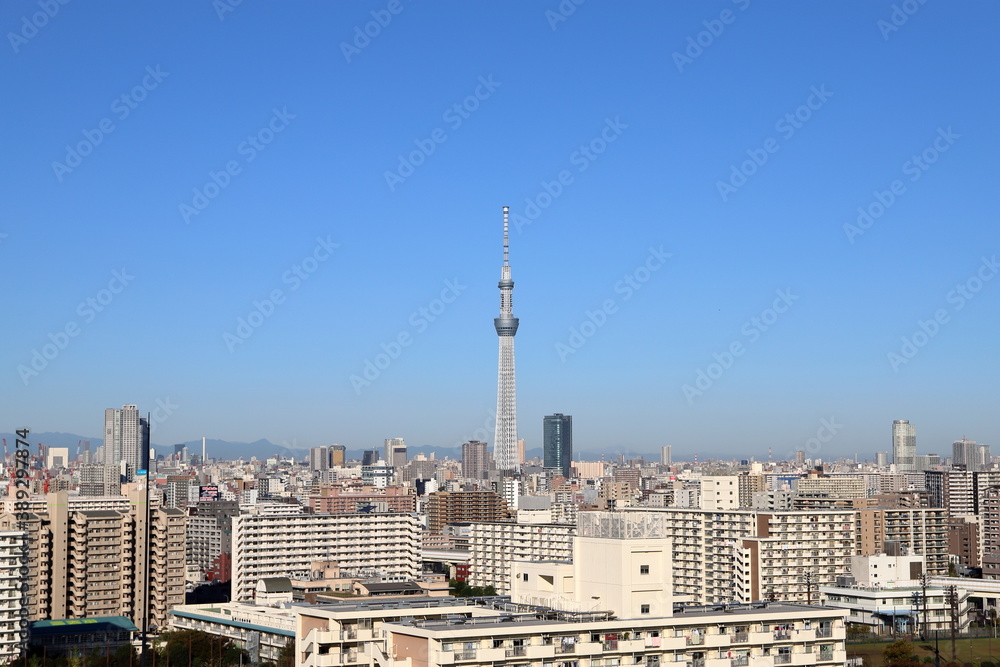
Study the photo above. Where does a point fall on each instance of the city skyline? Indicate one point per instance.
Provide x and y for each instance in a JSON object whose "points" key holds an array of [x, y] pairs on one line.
{"points": [[246, 245]]}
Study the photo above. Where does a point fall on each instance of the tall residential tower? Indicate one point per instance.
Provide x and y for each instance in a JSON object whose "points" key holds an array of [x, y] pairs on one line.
{"points": [[126, 439], [505, 437], [904, 445], [557, 442]]}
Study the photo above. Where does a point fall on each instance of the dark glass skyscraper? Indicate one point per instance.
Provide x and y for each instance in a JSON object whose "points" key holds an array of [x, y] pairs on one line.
{"points": [[557, 442]]}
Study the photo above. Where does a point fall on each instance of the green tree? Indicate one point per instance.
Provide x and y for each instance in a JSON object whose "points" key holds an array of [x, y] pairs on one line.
{"points": [[900, 654], [183, 647]]}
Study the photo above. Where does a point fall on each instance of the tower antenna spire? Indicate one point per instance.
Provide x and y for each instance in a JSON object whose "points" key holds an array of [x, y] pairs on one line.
{"points": [[506, 238]]}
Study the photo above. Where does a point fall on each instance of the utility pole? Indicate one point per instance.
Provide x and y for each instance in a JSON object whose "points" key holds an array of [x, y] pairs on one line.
{"points": [[923, 586], [915, 603], [810, 580], [953, 604]]}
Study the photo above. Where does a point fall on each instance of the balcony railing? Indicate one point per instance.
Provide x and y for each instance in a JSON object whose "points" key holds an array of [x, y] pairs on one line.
{"points": [[517, 652], [565, 648], [740, 661], [783, 659], [824, 632], [469, 654], [741, 637], [826, 655], [696, 640]]}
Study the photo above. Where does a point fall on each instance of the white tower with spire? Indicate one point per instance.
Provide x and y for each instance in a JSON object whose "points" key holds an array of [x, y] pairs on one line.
{"points": [[505, 437]]}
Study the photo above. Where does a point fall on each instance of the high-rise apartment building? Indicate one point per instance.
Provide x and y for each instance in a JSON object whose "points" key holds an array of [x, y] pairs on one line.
{"points": [[394, 452], [496, 545], [126, 440], [989, 530], [93, 562], [965, 455], [98, 479], [505, 434], [475, 460], [210, 537], [959, 491], [904, 445], [557, 442], [444, 507], [749, 484], [319, 458], [266, 545], [666, 455], [338, 456], [15, 600]]}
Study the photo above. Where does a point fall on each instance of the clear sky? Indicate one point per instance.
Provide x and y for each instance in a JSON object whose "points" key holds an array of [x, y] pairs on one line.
{"points": [[683, 172]]}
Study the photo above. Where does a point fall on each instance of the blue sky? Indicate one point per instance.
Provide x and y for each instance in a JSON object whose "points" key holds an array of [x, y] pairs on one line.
{"points": [[219, 155]]}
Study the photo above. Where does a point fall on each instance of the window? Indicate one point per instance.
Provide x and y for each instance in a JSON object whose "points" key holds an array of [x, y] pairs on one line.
{"points": [[524, 577], [644, 609], [643, 569]]}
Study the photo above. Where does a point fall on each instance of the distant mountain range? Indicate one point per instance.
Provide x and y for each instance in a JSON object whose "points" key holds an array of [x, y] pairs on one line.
{"points": [[263, 448]]}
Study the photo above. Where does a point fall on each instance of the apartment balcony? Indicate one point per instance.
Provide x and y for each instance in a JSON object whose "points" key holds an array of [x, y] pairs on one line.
{"points": [[782, 659], [695, 640], [717, 641], [517, 652]]}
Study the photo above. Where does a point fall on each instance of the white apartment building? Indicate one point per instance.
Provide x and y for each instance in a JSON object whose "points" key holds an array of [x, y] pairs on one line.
{"points": [[12, 599], [758, 636], [274, 545], [886, 597], [833, 486], [720, 493], [496, 545], [792, 553]]}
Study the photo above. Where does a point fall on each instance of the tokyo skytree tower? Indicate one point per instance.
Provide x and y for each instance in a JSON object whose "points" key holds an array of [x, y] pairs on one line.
{"points": [[505, 437]]}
